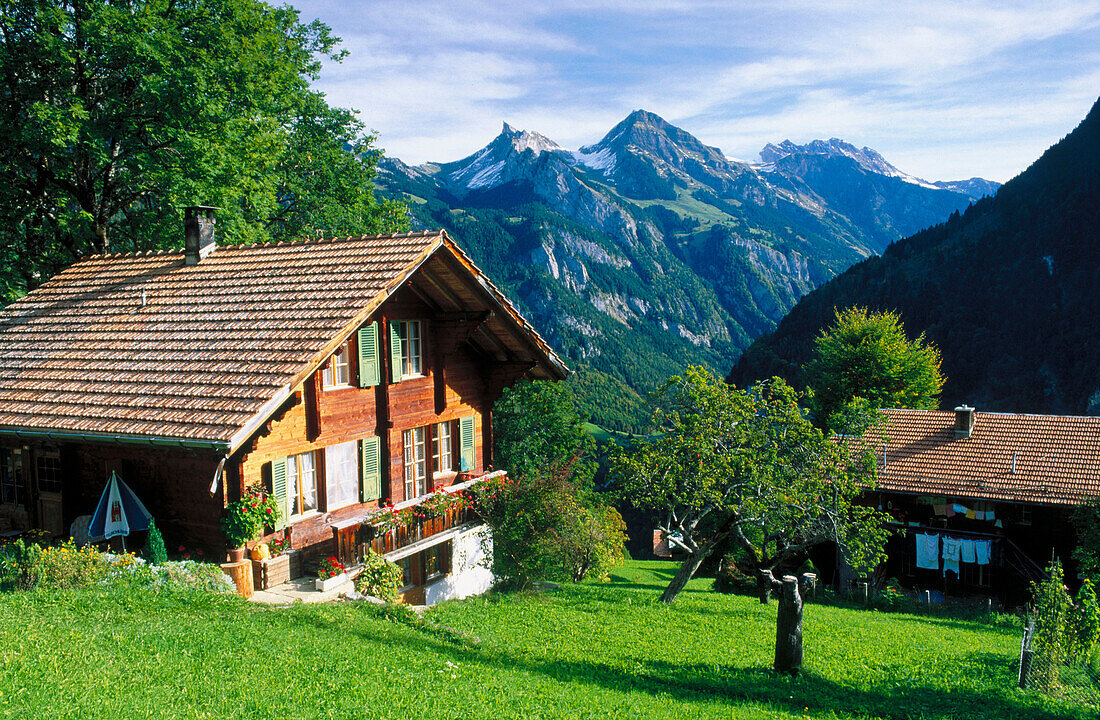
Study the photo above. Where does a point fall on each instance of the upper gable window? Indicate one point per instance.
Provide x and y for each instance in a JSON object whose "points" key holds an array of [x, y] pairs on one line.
{"points": [[337, 372], [412, 362]]}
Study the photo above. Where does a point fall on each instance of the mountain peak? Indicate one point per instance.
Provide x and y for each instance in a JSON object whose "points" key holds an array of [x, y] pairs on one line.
{"points": [[521, 140], [649, 133], [867, 158]]}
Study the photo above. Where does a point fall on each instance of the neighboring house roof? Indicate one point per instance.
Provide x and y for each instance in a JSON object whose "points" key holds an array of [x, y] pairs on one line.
{"points": [[143, 346], [1056, 457]]}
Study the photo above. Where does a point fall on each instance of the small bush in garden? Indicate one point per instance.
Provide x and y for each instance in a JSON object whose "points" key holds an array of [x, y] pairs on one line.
{"points": [[330, 568], [1083, 623], [154, 550], [541, 531], [66, 566], [380, 578], [1051, 604]]}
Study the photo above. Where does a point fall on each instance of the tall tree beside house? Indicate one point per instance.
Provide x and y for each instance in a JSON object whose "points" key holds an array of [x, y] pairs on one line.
{"points": [[537, 429], [747, 466], [866, 361], [116, 115]]}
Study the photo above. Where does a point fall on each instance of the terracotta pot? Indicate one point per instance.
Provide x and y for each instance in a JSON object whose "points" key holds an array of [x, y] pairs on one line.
{"points": [[236, 554]]}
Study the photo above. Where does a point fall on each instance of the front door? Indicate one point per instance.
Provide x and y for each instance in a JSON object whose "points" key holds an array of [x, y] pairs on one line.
{"points": [[48, 476]]}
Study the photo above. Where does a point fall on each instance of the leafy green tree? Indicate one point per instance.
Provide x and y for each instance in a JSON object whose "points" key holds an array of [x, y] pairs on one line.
{"points": [[537, 431], [866, 361], [116, 115], [747, 466]]}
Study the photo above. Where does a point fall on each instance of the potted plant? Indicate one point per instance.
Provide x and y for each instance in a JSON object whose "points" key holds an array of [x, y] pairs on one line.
{"points": [[330, 573], [245, 520]]}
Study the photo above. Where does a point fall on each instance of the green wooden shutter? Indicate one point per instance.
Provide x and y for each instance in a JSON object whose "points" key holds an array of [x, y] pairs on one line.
{"points": [[467, 451], [369, 359], [370, 469], [395, 352], [280, 491]]}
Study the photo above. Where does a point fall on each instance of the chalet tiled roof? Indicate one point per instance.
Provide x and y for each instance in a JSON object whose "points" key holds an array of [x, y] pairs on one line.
{"points": [[144, 345], [1057, 457]]}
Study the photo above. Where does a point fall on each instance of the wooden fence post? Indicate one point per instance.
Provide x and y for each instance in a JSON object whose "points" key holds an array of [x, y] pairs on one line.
{"points": [[1026, 654]]}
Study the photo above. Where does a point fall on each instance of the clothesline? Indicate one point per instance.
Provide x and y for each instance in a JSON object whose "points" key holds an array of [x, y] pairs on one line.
{"points": [[955, 550]]}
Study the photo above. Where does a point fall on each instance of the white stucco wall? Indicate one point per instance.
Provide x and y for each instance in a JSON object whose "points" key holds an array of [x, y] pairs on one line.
{"points": [[470, 574]]}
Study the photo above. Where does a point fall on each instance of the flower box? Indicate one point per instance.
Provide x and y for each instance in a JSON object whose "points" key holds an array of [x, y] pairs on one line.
{"points": [[326, 584], [271, 571]]}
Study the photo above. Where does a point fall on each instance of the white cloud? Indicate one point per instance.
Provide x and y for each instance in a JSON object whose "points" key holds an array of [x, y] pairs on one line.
{"points": [[941, 85]]}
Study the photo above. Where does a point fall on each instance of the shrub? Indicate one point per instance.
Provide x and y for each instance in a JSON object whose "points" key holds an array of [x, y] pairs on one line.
{"points": [[66, 566], [380, 578], [1051, 604], [1083, 623], [541, 531], [154, 550]]}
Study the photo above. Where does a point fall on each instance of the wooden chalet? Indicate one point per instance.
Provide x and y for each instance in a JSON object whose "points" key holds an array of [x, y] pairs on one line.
{"points": [[1007, 483], [337, 374]]}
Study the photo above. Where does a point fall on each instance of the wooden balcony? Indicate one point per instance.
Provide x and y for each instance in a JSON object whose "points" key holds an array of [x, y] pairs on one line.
{"points": [[353, 538]]}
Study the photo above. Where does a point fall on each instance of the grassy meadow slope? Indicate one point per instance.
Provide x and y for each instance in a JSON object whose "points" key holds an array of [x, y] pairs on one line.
{"points": [[589, 651]]}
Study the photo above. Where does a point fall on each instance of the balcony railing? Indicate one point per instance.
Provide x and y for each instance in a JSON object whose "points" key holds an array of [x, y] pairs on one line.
{"points": [[353, 538]]}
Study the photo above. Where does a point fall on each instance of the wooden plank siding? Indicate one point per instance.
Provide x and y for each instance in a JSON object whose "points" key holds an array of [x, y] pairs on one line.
{"points": [[453, 385]]}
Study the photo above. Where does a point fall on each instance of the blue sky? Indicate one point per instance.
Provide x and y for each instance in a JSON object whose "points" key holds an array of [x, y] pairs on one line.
{"points": [[944, 90]]}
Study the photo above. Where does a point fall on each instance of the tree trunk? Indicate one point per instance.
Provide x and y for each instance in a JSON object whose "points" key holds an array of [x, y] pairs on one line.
{"points": [[685, 573], [765, 586], [788, 628]]}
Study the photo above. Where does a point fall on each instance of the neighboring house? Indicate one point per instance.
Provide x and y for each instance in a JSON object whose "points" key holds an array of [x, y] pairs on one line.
{"points": [[1004, 482], [338, 374]]}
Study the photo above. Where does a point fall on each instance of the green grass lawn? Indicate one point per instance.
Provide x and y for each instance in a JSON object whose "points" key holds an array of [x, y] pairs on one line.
{"points": [[596, 650]]}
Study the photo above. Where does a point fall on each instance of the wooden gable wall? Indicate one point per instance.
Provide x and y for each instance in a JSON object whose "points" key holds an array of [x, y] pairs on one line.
{"points": [[457, 382]]}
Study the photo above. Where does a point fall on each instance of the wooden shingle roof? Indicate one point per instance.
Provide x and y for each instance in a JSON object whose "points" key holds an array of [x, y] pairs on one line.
{"points": [[1057, 457], [143, 345]]}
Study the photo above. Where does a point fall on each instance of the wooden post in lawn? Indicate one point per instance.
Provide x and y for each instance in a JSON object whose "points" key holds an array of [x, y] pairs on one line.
{"points": [[788, 623]]}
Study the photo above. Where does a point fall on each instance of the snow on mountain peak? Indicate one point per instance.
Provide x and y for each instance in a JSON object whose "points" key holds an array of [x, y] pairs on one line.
{"points": [[867, 158], [523, 140]]}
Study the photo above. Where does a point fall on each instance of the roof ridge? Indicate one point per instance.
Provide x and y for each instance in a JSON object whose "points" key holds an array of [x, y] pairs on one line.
{"points": [[271, 243], [1000, 413]]}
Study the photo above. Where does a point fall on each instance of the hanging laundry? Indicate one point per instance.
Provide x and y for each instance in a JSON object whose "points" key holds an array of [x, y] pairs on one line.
{"points": [[979, 514], [950, 511], [960, 508], [981, 551], [970, 515], [940, 509], [951, 553], [928, 551], [967, 551], [990, 516]]}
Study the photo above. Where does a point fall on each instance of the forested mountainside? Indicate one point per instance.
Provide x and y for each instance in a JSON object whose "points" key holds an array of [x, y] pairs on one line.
{"points": [[649, 250], [1008, 290]]}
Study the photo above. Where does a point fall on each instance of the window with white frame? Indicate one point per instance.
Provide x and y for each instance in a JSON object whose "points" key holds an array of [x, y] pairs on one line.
{"points": [[301, 472], [442, 448], [341, 475], [337, 372], [412, 363], [416, 463]]}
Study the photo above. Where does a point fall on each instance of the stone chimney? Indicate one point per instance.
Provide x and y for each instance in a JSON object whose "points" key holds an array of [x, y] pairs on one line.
{"points": [[198, 233], [964, 421]]}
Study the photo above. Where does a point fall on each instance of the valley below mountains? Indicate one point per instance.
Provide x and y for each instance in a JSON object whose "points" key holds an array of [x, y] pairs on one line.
{"points": [[650, 250]]}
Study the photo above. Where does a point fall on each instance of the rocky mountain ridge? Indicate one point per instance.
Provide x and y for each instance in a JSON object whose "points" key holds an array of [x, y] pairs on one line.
{"points": [[650, 250], [1007, 290]]}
